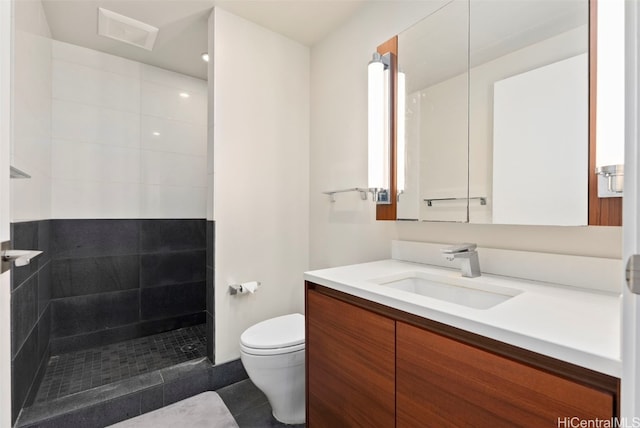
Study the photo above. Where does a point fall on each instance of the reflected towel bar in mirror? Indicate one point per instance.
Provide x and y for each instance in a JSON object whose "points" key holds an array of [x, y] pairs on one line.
{"points": [[482, 199]]}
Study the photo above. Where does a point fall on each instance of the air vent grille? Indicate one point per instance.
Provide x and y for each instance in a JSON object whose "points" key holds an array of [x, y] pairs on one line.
{"points": [[125, 29]]}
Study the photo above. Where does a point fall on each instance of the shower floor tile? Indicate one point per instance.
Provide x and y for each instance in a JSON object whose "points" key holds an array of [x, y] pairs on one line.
{"points": [[70, 373]]}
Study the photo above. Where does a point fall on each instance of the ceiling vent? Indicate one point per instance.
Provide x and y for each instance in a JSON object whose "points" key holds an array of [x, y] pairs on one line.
{"points": [[125, 29]]}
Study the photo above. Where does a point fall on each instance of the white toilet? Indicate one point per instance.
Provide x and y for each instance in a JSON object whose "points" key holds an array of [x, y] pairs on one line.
{"points": [[272, 353]]}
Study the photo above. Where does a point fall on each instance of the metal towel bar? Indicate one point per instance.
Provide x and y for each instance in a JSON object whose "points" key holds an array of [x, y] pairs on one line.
{"points": [[363, 193], [429, 201]]}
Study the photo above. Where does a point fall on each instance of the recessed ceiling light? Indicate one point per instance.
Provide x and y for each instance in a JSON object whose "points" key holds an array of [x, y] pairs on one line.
{"points": [[184, 95], [205, 57], [156, 133]]}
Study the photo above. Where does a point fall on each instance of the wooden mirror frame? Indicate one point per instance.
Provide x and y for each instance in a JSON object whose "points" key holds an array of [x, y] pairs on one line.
{"points": [[390, 211]]}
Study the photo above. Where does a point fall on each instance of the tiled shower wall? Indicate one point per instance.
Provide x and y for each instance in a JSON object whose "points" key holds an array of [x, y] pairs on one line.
{"points": [[128, 144], [102, 281], [102, 138], [114, 280], [211, 303], [30, 311], [128, 140]]}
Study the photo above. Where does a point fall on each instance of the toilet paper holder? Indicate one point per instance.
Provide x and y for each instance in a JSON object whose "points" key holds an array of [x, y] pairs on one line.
{"points": [[244, 288]]}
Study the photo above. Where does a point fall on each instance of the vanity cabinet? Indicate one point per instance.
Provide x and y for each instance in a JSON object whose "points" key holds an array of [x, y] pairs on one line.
{"points": [[351, 355], [375, 366], [449, 383]]}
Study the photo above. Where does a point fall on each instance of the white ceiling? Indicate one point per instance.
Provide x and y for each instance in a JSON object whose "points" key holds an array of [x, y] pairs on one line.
{"points": [[183, 25]]}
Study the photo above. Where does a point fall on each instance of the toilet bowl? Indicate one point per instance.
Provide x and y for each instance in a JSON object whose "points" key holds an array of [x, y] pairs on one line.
{"points": [[272, 353]]}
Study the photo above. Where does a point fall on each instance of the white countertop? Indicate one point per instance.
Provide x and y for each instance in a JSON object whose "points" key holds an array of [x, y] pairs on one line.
{"points": [[575, 325]]}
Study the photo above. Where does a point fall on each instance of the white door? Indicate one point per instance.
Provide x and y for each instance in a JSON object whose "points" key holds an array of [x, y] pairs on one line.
{"points": [[630, 393], [6, 10]]}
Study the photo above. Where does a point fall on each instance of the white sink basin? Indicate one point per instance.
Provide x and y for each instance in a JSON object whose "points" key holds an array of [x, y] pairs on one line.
{"points": [[470, 292]]}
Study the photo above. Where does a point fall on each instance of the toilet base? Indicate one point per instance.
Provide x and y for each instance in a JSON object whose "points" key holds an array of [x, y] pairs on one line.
{"points": [[292, 422], [282, 380], [287, 408]]}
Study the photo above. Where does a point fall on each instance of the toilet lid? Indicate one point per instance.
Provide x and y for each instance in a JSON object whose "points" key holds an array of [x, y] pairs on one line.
{"points": [[279, 332]]}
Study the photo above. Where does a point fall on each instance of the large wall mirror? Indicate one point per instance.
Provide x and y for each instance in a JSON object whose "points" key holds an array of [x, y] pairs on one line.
{"points": [[496, 113]]}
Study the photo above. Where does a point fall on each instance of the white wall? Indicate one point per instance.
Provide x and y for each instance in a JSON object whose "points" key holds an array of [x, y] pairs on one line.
{"points": [[31, 144], [125, 144], [345, 231], [260, 163]]}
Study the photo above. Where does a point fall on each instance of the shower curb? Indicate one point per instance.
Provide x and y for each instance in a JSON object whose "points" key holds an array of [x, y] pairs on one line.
{"points": [[125, 399]]}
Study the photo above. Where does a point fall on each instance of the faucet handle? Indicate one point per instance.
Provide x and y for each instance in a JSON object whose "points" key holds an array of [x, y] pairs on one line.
{"points": [[459, 248]]}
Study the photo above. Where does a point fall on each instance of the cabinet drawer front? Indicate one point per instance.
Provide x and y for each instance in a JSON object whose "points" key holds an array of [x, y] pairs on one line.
{"points": [[351, 365], [445, 383]]}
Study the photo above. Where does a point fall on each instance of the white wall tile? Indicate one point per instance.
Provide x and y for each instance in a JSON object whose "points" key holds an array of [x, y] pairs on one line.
{"points": [[79, 199], [165, 101], [174, 136], [31, 198], [26, 122], [32, 55], [94, 162], [176, 80], [80, 122], [105, 161], [173, 169], [33, 156], [31, 113], [95, 59], [173, 202], [88, 85], [32, 83], [32, 136]]}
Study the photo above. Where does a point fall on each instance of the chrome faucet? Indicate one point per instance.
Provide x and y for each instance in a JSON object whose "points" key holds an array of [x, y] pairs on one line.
{"points": [[467, 254]]}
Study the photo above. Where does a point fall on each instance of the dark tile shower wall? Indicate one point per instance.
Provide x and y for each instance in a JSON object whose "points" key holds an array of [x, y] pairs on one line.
{"points": [[30, 312], [114, 280], [210, 290]]}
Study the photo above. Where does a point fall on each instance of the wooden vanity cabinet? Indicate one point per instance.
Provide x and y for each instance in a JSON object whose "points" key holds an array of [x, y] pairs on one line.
{"points": [[351, 365], [441, 382], [369, 365]]}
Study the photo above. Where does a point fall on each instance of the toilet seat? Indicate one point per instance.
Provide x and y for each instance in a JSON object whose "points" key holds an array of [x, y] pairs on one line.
{"points": [[280, 335], [272, 351]]}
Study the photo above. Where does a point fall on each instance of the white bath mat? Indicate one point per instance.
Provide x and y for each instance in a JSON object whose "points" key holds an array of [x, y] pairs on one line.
{"points": [[206, 410]]}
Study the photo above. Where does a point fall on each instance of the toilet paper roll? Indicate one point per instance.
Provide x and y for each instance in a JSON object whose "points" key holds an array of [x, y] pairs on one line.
{"points": [[250, 287]]}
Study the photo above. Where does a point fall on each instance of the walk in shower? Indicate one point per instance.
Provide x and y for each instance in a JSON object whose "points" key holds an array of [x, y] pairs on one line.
{"points": [[116, 154]]}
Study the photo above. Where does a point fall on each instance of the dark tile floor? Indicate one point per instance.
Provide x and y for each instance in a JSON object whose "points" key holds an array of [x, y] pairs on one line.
{"points": [[70, 373], [249, 406]]}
